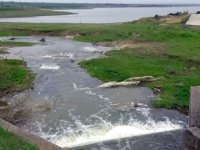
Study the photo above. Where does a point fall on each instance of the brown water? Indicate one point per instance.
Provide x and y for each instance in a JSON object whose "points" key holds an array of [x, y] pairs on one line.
{"points": [[83, 114]]}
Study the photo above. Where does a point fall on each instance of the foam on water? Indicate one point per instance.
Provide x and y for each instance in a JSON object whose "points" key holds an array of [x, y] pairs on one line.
{"points": [[68, 55], [47, 56], [50, 67], [79, 88], [104, 130], [90, 49], [91, 136]]}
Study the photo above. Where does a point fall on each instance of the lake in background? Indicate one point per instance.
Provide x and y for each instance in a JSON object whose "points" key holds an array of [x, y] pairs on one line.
{"points": [[103, 15]]}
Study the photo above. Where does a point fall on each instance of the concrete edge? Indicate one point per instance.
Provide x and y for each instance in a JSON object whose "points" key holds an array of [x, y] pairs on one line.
{"points": [[33, 139]]}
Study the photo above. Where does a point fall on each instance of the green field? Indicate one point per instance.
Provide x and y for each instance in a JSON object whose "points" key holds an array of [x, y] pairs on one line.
{"points": [[157, 47], [27, 12], [9, 141]]}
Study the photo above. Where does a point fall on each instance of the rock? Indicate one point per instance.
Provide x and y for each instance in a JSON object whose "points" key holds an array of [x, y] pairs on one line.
{"points": [[176, 14], [145, 79], [131, 81], [158, 89], [117, 84], [4, 109], [42, 40], [156, 17], [3, 103], [12, 38], [71, 37], [41, 107], [72, 60], [193, 68], [181, 84], [171, 72]]}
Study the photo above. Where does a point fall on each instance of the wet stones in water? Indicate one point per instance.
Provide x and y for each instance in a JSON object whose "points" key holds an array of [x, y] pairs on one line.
{"points": [[12, 38], [4, 108], [72, 60], [41, 107], [42, 40]]}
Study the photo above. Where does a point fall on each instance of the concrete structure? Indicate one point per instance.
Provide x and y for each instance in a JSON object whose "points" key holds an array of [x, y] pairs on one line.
{"points": [[193, 135], [194, 20]]}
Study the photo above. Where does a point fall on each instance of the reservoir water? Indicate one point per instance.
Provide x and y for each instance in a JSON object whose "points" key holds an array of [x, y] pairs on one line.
{"points": [[82, 114], [104, 15]]}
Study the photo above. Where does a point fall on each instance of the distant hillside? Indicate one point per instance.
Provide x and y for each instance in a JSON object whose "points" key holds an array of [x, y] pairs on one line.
{"points": [[82, 5]]}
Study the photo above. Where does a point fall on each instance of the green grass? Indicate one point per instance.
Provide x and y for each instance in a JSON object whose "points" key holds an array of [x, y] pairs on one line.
{"points": [[11, 43], [19, 12], [14, 74], [9, 141]]}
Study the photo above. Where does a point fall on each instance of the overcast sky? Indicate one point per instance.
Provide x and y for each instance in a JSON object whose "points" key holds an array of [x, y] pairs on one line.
{"points": [[113, 1]]}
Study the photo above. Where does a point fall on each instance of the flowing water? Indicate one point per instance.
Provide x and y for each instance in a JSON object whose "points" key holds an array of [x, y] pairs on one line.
{"points": [[83, 114], [104, 15]]}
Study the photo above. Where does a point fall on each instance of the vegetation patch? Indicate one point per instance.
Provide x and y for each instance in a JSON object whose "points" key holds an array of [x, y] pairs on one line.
{"points": [[14, 76], [9, 141], [11, 43]]}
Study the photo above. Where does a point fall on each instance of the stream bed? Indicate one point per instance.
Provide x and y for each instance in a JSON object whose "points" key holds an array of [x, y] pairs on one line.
{"points": [[83, 116]]}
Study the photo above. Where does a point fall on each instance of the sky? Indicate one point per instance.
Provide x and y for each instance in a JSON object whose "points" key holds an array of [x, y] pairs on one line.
{"points": [[116, 1]]}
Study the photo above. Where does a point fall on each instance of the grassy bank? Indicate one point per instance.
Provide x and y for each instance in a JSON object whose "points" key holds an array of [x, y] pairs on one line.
{"points": [[14, 76], [27, 12], [12, 43], [157, 47], [9, 141]]}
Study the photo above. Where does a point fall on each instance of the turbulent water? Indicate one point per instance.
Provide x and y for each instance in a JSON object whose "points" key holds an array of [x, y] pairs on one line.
{"points": [[83, 114], [104, 15]]}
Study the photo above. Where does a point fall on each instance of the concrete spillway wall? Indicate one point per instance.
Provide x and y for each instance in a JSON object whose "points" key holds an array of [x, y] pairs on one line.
{"points": [[194, 20], [193, 133]]}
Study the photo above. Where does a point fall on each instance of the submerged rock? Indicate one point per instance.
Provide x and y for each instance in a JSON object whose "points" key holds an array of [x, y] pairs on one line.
{"points": [[12, 38], [42, 40], [41, 107], [72, 60], [124, 106]]}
